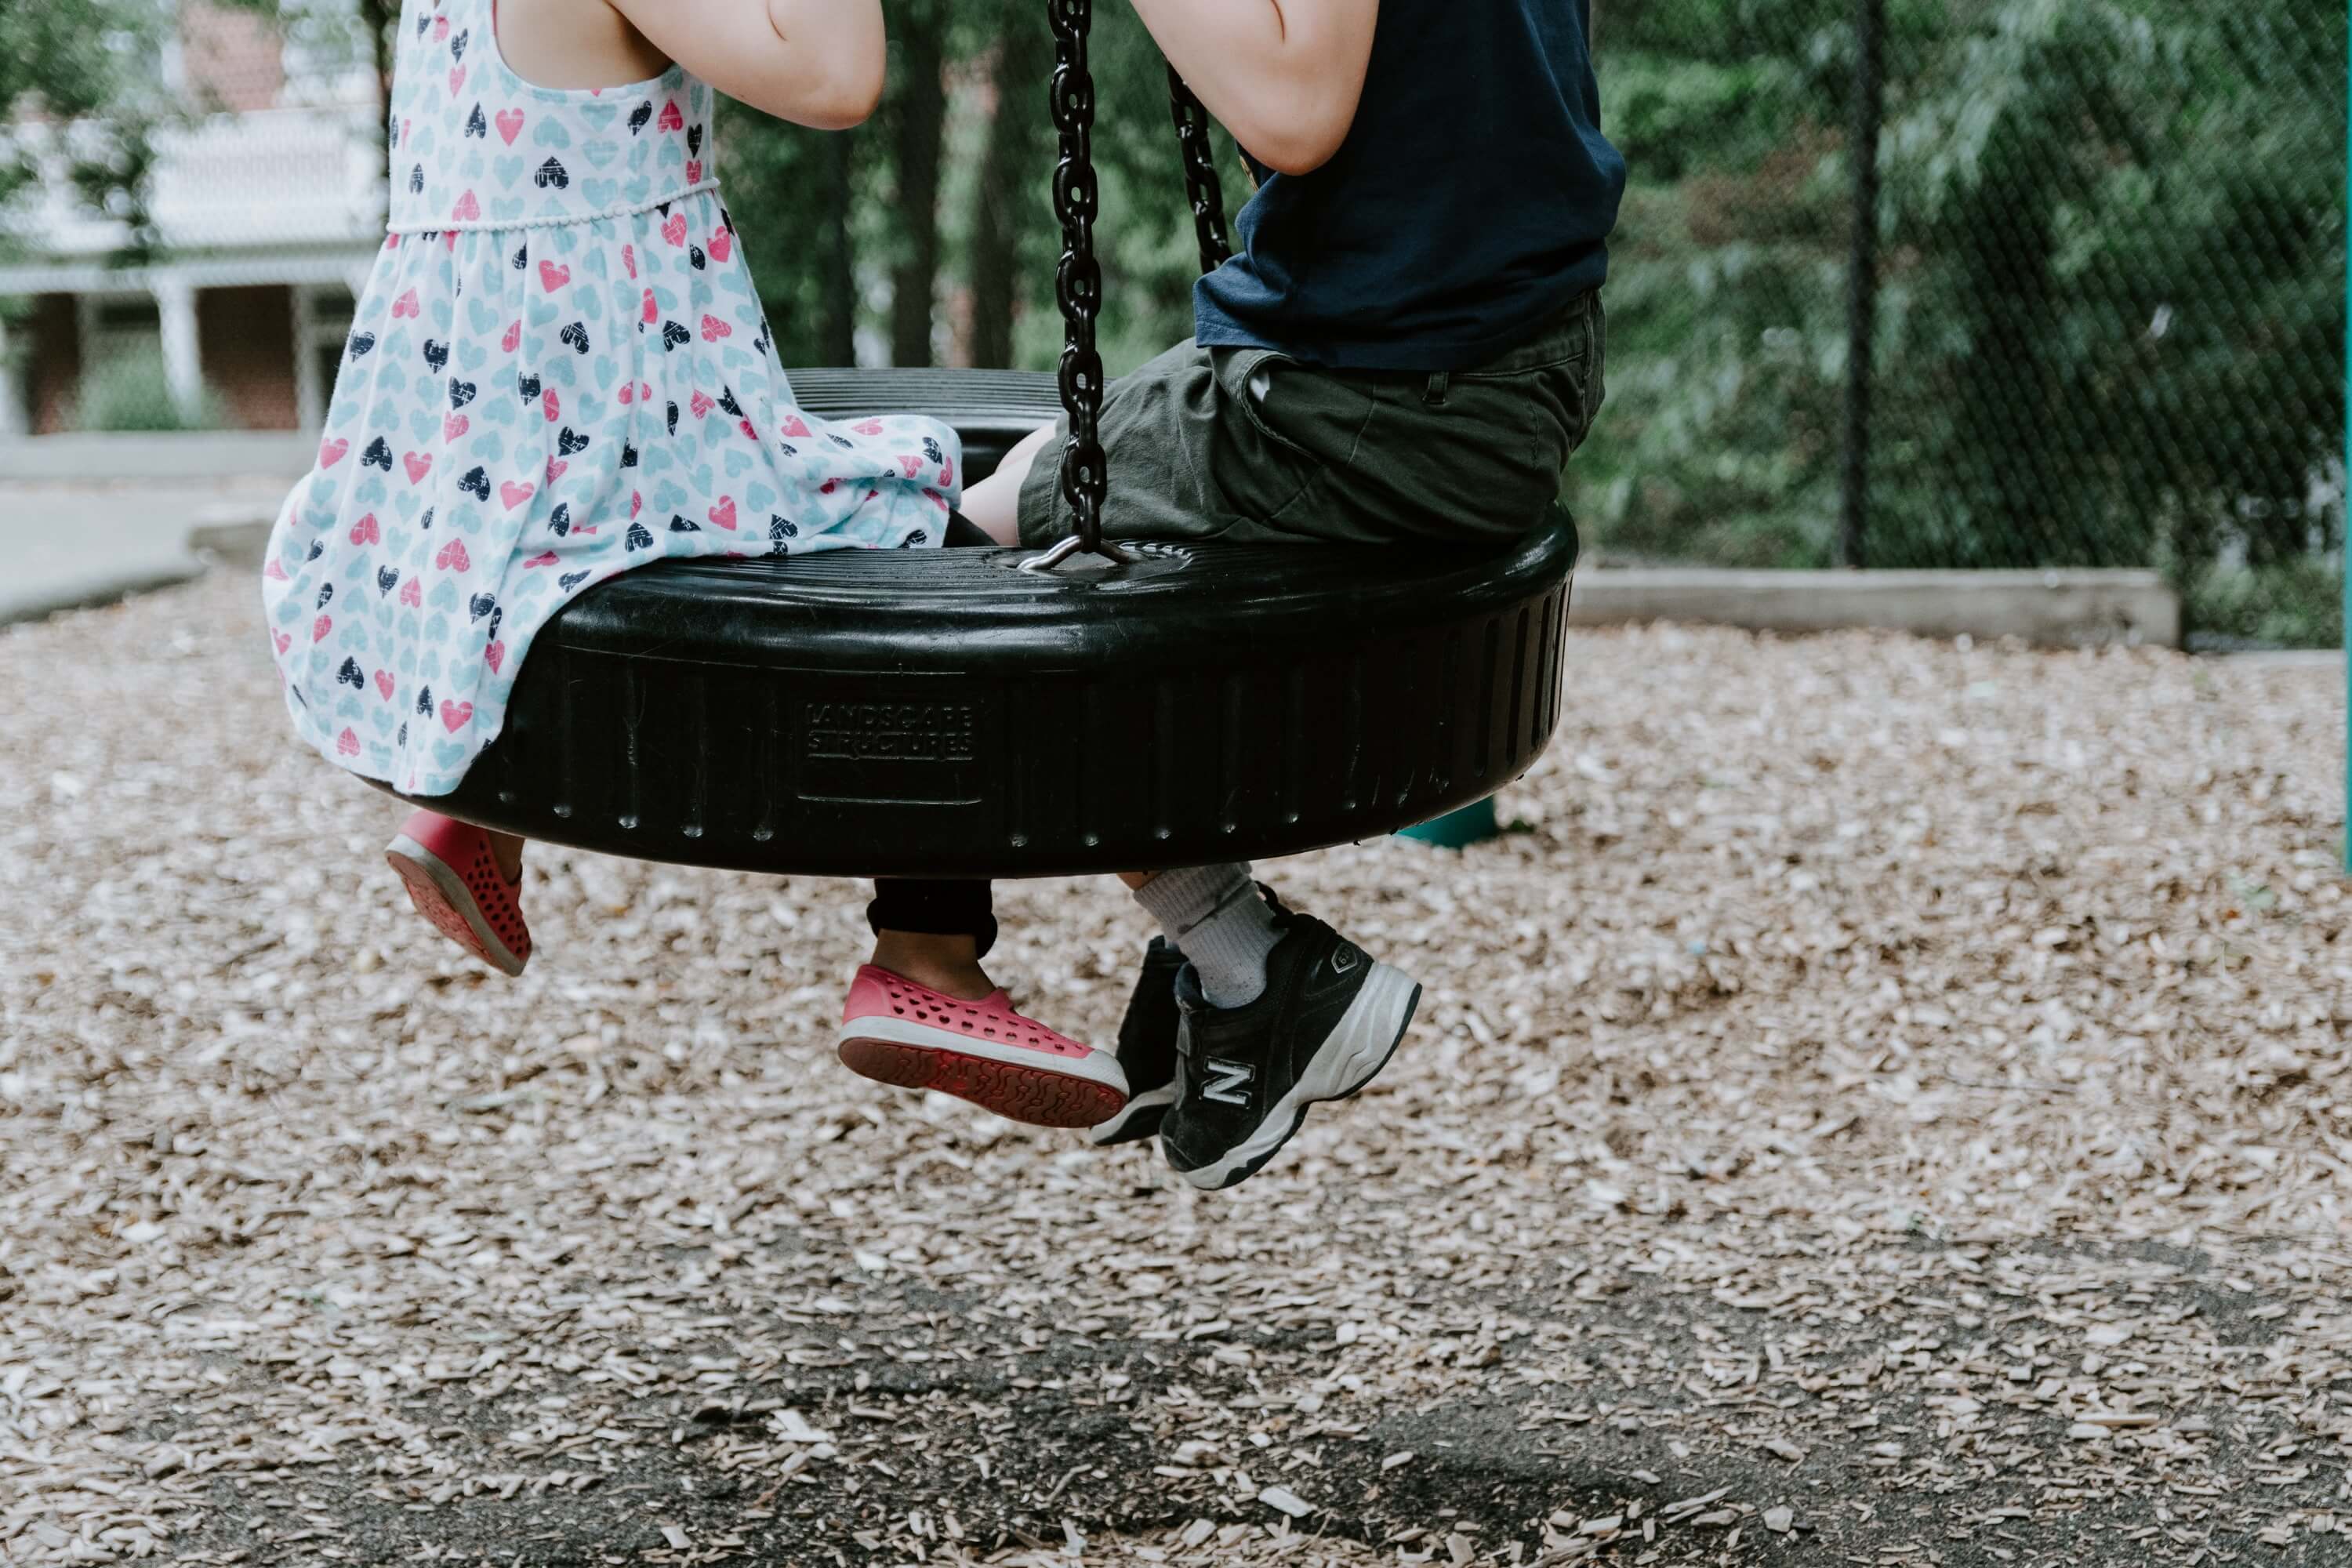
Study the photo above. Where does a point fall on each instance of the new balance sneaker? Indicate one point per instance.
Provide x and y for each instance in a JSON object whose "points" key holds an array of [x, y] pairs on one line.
{"points": [[1327, 1023], [896, 1031], [1146, 1050]]}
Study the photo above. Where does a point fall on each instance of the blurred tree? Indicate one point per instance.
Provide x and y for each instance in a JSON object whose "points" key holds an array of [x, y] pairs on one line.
{"points": [[1007, 229], [915, 114], [2113, 317], [87, 67]]}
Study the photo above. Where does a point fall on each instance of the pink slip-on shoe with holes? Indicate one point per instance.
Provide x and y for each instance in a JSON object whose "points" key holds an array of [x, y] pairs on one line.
{"points": [[455, 882], [897, 1032]]}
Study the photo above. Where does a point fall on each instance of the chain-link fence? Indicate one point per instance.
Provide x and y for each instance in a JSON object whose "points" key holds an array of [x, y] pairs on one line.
{"points": [[2108, 317]]}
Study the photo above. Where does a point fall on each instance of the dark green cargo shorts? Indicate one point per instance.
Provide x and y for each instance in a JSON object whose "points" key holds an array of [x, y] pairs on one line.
{"points": [[1250, 446]]}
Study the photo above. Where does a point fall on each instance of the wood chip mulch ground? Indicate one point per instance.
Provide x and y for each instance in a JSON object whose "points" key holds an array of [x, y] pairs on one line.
{"points": [[1887, 1104]]}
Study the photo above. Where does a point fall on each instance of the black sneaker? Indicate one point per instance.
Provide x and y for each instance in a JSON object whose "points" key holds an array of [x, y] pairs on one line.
{"points": [[1327, 1023], [1146, 1050]]}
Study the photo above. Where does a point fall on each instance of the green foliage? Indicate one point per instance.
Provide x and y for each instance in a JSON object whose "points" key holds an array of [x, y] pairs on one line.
{"points": [[792, 201], [2112, 306], [89, 63], [2287, 603], [130, 393]]}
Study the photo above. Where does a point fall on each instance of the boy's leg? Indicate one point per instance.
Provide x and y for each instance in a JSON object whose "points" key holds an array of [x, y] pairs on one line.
{"points": [[1214, 916], [1184, 464], [994, 504]]}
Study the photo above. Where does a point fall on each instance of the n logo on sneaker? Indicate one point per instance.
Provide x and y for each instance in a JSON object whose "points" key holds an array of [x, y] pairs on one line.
{"points": [[1345, 959], [1228, 1083]]}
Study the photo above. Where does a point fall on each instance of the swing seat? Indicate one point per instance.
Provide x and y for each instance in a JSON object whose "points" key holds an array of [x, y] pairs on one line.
{"points": [[942, 713]]}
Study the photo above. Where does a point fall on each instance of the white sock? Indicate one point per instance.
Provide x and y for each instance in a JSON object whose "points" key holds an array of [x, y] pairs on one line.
{"points": [[1214, 916]]}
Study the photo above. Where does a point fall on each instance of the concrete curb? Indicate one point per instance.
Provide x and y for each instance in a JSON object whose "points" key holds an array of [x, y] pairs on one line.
{"points": [[241, 545], [2052, 609], [192, 455], [96, 593]]}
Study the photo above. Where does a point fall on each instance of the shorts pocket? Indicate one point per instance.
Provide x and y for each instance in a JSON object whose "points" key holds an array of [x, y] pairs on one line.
{"points": [[1313, 414]]}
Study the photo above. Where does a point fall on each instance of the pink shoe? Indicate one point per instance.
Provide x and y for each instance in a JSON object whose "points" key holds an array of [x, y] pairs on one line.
{"points": [[897, 1032], [453, 881]]}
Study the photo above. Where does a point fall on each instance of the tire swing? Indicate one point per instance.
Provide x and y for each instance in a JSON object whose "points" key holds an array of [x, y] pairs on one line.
{"points": [[1007, 713]]}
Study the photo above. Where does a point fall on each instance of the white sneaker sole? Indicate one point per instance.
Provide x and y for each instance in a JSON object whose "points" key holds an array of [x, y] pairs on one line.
{"points": [[1350, 1057], [1154, 1103]]}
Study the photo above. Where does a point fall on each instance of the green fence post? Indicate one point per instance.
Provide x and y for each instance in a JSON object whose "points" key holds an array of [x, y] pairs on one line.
{"points": [[2346, 554], [1459, 829]]}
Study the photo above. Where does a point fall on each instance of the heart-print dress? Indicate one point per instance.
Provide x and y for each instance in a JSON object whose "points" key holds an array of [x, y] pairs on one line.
{"points": [[559, 370]]}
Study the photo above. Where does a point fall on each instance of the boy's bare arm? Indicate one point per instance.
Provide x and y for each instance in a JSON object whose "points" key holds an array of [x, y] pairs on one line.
{"points": [[814, 62], [1283, 76]]}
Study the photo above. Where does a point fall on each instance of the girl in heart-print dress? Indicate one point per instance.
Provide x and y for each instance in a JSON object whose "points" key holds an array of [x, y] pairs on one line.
{"points": [[559, 370]]}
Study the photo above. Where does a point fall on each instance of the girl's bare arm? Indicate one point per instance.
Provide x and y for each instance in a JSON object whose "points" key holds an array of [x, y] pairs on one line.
{"points": [[814, 62], [1283, 76]]}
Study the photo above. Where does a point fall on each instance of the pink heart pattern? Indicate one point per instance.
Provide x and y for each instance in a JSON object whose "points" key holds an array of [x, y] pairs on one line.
{"points": [[403, 579]]}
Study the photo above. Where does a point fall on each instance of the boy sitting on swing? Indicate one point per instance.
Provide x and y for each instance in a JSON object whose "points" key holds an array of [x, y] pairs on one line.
{"points": [[1408, 347]]}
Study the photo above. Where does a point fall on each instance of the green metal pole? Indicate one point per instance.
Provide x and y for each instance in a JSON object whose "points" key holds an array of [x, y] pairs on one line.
{"points": [[1459, 829]]}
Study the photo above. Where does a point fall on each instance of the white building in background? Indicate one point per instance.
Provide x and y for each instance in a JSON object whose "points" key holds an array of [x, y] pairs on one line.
{"points": [[268, 209]]}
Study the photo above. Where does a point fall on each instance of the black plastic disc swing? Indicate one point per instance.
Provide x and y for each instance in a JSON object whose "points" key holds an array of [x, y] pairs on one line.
{"points": [[1009, 713]]}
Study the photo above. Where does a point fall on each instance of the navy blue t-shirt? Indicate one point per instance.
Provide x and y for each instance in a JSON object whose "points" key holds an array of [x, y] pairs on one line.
{"points": [[1471, 203]]}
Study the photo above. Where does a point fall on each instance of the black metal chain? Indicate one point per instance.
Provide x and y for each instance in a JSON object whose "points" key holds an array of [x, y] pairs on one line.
{"points": [[1078, 283], [1202, 186], [1085, 479]]}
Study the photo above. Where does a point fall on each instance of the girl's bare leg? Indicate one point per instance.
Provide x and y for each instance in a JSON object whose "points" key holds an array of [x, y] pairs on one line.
{"points": [[994, 503]]}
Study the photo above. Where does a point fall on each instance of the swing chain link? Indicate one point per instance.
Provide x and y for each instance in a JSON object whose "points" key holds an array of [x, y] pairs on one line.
{"points": [[1202, 186], [1078, 284]]}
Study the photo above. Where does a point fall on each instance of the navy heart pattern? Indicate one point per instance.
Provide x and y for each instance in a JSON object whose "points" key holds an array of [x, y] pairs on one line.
{"points": [[572, 248]]}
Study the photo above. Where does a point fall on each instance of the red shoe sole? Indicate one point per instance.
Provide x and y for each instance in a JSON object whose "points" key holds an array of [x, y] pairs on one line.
{"points": [[429, 902], [1028, 1095]]}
